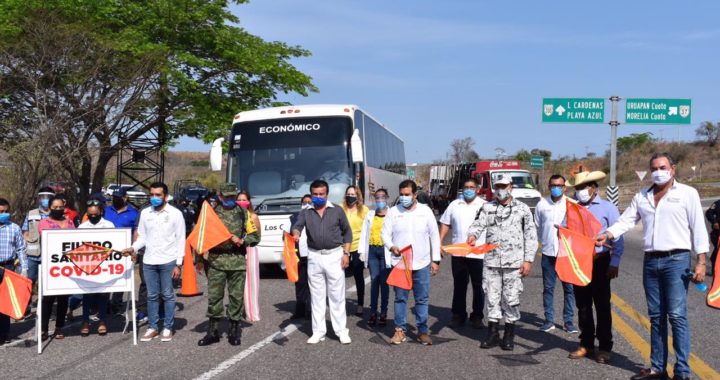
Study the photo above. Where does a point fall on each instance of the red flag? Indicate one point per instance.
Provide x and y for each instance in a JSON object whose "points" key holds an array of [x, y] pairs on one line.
{"points": [[464, 249], [15, 293], [290, 258], [401, 274], [575, 257], [88, 257], [713, 297], [581, 220]]}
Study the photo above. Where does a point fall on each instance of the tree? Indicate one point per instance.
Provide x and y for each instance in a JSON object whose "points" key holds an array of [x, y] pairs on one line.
{"points": [[461, 150], [523, 155], [75, 74], [634, 140], [709, 132], [546, 154]]}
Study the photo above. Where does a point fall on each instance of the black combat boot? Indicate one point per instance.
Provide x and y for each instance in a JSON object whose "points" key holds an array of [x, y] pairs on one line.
{"points": [[234, 333], [493, 337], [212, 336], [508, 337]]}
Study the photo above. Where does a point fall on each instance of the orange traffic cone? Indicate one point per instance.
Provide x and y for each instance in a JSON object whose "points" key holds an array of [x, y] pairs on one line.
{"points": [[189, 280]]}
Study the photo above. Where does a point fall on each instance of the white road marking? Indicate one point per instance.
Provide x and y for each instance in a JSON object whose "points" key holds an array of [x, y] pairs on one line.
{"points": [[289, 329]]}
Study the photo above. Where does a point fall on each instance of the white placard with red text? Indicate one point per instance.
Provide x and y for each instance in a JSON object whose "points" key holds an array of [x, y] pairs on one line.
{"points": [[61, 276]]}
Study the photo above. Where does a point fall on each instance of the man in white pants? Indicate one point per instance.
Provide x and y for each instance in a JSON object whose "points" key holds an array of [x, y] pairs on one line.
{"points": [[328, 239]]}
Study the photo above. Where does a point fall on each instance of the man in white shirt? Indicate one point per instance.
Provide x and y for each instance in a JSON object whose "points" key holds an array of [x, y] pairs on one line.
{"points": [[161, 231], [673, 224], [550, 211], [459, 216], [412, 223]]}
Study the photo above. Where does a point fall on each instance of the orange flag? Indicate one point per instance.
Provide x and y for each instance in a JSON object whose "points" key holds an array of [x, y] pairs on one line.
{"points": [[575, 257], [713, 297], [15, 293], [581, 220], [88, 257], [464, 249], [401, 274], [290, 258], [209, 232]]}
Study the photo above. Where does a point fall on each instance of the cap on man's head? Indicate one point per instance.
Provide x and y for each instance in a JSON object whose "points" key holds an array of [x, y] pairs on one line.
{"points": [[503, 179], [120, 192], [98, 196], [228, 190]]}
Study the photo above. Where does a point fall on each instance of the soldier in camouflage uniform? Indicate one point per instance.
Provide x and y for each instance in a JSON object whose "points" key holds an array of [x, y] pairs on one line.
{"points": [[227, 266], [509, 224]]}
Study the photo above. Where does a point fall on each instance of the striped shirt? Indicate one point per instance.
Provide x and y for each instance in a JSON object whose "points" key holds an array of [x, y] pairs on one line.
{"points": [[12, 244]]}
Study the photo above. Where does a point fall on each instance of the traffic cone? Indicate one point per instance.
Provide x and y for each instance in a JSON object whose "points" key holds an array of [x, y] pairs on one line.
{"points": [[189, 286]]}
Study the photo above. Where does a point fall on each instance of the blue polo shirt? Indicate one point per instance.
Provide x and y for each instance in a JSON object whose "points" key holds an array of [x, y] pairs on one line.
{"points": [[125, 219]]}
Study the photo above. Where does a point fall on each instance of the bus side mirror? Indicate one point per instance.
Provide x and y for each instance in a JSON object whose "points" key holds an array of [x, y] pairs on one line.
{"points": [[356, 147], [216, 154]]}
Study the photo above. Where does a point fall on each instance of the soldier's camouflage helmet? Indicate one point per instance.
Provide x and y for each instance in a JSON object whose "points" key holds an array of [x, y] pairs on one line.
{"points": [[228, 190]]}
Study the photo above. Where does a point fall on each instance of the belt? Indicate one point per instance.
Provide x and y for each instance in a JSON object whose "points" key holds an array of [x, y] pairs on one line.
{"points": [[666, 253], [325, 251]]}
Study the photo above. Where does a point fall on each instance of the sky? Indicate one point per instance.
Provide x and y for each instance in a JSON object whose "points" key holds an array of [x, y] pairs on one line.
{"points": [[434, 71]]}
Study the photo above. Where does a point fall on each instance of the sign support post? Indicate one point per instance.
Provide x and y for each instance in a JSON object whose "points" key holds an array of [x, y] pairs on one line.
{"points": [[612, 189], [38, 311]]}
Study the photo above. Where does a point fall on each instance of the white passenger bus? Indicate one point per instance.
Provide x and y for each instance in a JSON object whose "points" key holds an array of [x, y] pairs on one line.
{"points": [[275, 154]]}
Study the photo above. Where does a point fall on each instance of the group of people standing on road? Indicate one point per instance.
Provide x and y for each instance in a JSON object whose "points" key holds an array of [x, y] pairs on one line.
{"points": [[350, 236]]}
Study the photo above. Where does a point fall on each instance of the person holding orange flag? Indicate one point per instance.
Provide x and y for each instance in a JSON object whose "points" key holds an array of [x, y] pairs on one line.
{"points": [[12, 249], [412, 224], [604, 269]]}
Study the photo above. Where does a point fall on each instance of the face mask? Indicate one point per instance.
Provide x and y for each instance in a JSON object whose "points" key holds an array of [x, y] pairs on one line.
{"points": [[4, 218], [57, 214], [583, 195], [556, 191], [350, 200], [229, 203], [502, 194], [306, 206], [469, 194], [243, 204], [118, 203], [45, 203], [156, 201], [380, 205], [318, 201], [95, 219], [406, 201], [661, 177]]}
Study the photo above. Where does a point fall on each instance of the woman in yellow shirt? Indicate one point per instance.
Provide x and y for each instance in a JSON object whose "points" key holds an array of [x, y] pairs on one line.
{"points": [[355, 211], [372, 252]]}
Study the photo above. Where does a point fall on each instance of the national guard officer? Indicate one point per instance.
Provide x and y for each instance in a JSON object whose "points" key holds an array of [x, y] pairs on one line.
{"points": [[508, 224], [227, 266]]}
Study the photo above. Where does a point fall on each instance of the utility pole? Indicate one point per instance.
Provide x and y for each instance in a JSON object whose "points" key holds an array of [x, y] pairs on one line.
{"points": [[612, 189]]}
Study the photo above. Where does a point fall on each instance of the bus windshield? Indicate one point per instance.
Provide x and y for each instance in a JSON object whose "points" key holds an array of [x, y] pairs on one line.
{"points": [[274, 161]]}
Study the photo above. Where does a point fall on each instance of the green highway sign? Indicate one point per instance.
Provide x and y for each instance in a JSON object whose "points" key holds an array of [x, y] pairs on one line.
{"points": [[657, 111], [537, 162], [573, 110]]}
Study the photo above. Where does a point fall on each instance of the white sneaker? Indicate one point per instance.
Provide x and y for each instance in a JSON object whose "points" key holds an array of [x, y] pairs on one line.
{"points": [[345, 338], [315, 339], [150, 334], [167, 335]]}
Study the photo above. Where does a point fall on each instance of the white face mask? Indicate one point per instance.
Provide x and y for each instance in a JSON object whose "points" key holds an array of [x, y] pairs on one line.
{"points": [[502, 194], [661, 177], [306, 206], [583, 195]]}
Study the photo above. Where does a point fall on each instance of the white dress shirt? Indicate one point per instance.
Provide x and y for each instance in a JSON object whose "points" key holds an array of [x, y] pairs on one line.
{"points": [[547, 215], [103, 223], [459, 216], [415, 227], [676, 223], [162, 234]]}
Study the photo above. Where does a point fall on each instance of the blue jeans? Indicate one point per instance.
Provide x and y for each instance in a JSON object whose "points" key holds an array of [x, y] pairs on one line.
{"points": [[666, 285], [378, 279], [94, 299], [33, 262], [158, 279], [421, 291], [549, 278]]}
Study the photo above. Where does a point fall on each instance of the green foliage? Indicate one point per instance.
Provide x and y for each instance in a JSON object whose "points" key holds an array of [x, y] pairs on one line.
{"points": [[200, 163], [709, 131], [523, 155], [546, 154], [635, 140]]}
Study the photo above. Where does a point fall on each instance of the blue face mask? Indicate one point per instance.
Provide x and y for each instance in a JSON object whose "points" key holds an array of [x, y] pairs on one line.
{"points": [[4, 218], [45, 203], [406, 201], [156, 201], [229, 203], [380, 205], [318, 201], [469, 194], [556, 191]]}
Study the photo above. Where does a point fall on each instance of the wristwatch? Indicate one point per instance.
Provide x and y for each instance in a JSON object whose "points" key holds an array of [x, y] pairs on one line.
{"points": [[436, 262], [346, 254]]}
